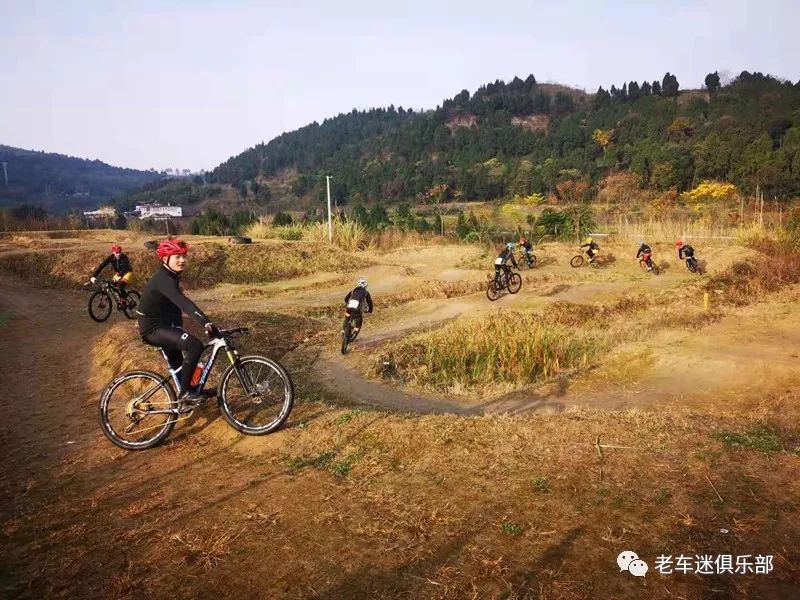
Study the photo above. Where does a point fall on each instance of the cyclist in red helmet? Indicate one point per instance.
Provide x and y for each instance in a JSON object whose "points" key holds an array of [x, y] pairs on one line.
{"points": [[122, 269], [160, 316]]}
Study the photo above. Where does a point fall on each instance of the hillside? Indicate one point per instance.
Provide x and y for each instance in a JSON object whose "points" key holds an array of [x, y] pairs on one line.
{"points": [[524, 137], [59, 183]]}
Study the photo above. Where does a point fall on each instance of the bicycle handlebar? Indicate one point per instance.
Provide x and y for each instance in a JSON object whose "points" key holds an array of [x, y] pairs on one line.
{"points": [[236, 331]]}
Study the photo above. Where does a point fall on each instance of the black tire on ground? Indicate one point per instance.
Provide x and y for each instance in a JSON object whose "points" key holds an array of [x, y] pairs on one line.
{"points": [[100, 306], [163, 396], [240, 413], [533, 261], [576, 261], [346, 336], [514, 283], [134, 298], [493, 292], [151, 244], [240, 239], [354, 333]]}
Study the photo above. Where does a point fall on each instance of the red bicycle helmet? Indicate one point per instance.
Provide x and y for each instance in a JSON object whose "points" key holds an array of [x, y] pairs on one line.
{"points": [[171, 248], [116, 248], [679, 243]]}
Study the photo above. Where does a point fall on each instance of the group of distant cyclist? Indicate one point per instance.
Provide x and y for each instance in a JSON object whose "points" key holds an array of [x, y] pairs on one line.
{"points": [[506, 260]]}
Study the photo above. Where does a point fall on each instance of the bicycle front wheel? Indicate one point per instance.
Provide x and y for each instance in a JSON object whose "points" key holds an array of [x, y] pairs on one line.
{"points": [[256, 395], [100, 306], [514, 283], [133, 410], [133, 300]]}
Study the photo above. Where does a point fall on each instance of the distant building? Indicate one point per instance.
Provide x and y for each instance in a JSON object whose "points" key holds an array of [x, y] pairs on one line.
{"points": [[104, 212], [156, 211]]}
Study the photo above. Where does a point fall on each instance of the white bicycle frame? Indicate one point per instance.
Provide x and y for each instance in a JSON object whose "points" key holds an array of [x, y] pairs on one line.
{"points": [[216, 345]]}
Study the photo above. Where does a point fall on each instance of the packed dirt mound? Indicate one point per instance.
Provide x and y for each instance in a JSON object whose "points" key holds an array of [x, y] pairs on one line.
{"points": [[47, 265]]}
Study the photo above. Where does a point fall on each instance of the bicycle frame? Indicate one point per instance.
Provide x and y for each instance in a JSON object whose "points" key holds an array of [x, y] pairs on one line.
{"points": [[216, 345]]}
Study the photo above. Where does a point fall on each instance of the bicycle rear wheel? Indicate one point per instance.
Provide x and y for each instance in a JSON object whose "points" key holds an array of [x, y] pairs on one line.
{"points": [[256, 395], [126, 410], [100, 306], [346, 334], [493, 291], [576, 261]]}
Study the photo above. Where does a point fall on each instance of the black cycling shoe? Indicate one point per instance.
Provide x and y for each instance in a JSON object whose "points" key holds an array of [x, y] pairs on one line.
{"points": [[189, 400]]}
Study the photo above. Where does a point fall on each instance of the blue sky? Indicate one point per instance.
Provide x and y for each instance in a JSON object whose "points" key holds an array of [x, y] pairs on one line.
{"points": [[187, 84]]}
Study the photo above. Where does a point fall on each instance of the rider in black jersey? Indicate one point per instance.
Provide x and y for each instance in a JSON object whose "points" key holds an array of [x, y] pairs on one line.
{"points": [[122, 269], [645, 253], [360, 295], [506, 254], [160, 320], [684, 250]]}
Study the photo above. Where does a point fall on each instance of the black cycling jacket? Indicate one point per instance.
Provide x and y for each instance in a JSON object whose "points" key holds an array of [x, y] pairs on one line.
{"points": [[360, 294], [162, 303], [643, 249], [507, 254], [121, 265], [685, 251]]}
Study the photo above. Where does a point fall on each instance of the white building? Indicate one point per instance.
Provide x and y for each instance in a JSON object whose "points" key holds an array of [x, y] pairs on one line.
{"points": [[158, 211], [104, 212]]}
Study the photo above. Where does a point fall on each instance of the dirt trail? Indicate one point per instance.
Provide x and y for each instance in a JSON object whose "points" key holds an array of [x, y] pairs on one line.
{"points": [[199, 517]]}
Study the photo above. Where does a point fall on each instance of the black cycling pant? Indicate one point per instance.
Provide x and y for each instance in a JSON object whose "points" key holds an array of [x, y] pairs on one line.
{"points": [[182, 349], [506, 270], [121, 285], [358, 319]]}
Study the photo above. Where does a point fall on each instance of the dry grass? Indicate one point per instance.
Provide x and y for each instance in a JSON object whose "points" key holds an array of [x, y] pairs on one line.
{"points": [[508, 347], [656, 230], [205, 549], [746, 282], [347, 235]]}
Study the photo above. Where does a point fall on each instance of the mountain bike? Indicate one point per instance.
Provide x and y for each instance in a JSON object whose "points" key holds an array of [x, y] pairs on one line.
{"points": [[693, 265], [349, 330], [102, 302], [139, 409], [526, 259], [506, 281], [578, 260]]}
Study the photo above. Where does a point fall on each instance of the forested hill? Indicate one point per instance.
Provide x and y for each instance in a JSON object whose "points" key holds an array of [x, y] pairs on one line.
{"points": [[523, 137], [58, 182]]}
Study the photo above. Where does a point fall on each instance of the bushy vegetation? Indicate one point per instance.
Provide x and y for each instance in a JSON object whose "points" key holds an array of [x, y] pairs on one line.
{"points": [[181, 192], [522, 138], [212, 222]]}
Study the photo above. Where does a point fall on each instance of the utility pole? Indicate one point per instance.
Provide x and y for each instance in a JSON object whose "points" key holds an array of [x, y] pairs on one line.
{"points": [[5, 172], [330, 223]]}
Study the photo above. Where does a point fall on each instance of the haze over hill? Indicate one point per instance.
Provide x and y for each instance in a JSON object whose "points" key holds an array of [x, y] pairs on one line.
{"points": [[58, 182]]}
